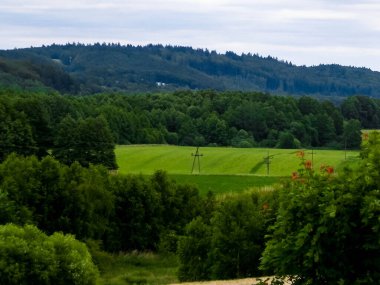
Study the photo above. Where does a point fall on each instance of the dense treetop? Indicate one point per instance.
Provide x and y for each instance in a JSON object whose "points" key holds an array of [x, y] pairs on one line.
{"points": [[86, 128], [87, 69]]}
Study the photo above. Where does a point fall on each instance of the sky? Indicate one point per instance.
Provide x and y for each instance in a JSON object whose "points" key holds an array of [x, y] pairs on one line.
{"points": [[305, 32]]}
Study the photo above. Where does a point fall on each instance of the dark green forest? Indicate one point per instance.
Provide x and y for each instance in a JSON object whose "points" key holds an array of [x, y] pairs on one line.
{"points": [[86, 69], [86, 128]]}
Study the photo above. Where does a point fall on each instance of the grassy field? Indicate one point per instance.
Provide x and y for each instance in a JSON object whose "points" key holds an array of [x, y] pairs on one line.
{"points": [[220, 161], [223, 170]]}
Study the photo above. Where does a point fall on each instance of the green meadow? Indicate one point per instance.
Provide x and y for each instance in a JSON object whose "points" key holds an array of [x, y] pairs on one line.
{"points": [[146, 159], [223, 169]]}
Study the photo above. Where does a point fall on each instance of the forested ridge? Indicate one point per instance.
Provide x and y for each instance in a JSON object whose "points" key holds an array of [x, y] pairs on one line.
{"points": [[88, 69]]}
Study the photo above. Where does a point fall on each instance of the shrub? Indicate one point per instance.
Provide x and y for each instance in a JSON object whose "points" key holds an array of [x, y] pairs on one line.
{"points": [[327, 228], [28, 256]]}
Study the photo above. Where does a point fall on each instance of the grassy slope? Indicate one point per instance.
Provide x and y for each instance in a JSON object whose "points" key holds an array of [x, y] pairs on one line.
{"points": [[219, 161]]}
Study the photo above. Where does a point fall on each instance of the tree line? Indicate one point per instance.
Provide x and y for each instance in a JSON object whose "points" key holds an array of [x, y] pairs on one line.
{"points": [[87, 128]]}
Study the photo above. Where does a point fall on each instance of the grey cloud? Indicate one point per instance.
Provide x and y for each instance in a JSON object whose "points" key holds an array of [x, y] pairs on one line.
{"points": [[303, 31]]}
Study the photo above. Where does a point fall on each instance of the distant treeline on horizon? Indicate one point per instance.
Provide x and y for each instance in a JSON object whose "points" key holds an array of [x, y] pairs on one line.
{"points": [[94, 68]]}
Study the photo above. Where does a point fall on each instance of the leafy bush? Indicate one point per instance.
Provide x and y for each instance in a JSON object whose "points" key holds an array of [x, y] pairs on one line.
{"points": [[28, 256], [327, 229]]}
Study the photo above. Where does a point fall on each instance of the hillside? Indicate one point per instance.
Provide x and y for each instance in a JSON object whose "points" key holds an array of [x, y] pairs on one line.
{"points": [[86, 69], [35, 73]]}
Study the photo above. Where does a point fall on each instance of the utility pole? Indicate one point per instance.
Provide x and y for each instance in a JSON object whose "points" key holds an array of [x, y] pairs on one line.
{"points": [[197, 155], [267, 161]]}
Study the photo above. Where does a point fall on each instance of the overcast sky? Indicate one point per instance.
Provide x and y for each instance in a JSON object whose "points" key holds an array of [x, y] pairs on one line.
{"points": [[305, 32]]}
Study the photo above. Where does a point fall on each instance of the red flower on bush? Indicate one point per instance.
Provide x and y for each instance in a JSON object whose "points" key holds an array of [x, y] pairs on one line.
{"points": [[295, 175], [308, 164], [330, 170]]}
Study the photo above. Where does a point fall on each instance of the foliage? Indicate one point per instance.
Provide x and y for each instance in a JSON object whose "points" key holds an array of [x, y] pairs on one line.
{"points": [[327, 228], [15, 131], [40, 121], [287, 140], [352, 134], [193, 252], [242, 139], [56, 197], [33, 72], [150, 213], [124, 212], [88, 69], [87, 141], [136, 218], [237, 242], [85, 128], [228, 244], [363, 109], [28, 256]]}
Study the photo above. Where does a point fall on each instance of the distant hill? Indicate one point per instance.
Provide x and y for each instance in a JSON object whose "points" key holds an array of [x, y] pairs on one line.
{"points": [[35, 73], [87, 69]]}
